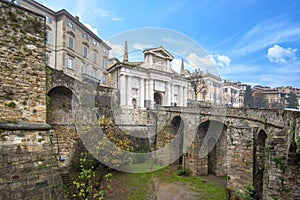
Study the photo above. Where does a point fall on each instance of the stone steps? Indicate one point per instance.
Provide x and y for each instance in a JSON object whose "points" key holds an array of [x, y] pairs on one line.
{"points": [[66, 179]]}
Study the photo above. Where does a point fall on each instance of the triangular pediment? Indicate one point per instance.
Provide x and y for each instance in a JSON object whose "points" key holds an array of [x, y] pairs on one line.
{"points": [[159, 52]]}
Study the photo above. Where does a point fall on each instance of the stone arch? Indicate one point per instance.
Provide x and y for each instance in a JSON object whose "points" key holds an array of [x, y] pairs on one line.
{"points": [[177, 127], [60, 103], [170, 138], [259, 161], [158, 98], [209, 149]]}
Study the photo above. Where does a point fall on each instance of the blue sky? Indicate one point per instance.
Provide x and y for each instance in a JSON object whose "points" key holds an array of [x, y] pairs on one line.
{"points": [[255, 42]]}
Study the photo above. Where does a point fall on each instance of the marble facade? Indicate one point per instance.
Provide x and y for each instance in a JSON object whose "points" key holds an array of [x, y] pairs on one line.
{"points": [[149, 83]]}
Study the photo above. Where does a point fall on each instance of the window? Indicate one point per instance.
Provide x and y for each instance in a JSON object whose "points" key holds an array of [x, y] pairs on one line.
{"points": [[71, 42], [104, 50], [95, 58], [104, 64], [48, 19], [104, 79], [71, 25], [94, 72], [70, 62], [217, 85], [85, 51], [225, 90], [85, 35], [49, 38], [95, 43], [84, 69]]}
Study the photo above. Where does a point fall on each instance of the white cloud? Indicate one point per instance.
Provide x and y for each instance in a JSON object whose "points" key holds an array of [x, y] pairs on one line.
{"points": [[206, 63], [223, 60], [176, 64], [116, 19], [280, 55], [201, 62], [117, 50], [89, 11], [94, 30], [265, 34], [141, 46]]}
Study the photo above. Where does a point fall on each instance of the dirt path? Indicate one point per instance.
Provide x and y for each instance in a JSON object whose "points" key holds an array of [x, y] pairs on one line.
{"points": [[157, 188], [172, 191]]}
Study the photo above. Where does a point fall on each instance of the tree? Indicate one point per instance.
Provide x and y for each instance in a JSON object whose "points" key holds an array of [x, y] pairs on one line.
{"points": [[292, 101], [260, 101], [197, 83], [249, 99]]}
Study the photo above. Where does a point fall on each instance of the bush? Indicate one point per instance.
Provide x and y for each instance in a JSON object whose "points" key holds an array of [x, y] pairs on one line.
{"points": [[181, 172]]}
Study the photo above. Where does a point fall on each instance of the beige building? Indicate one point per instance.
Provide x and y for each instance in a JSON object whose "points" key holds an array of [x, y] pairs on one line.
{"points": [[208, 87], [149, 83], [231, 94], [71, 46]]}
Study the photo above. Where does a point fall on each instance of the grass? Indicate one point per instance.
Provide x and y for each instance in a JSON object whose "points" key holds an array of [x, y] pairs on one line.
{"points": [[140, 185], [204, 190]]}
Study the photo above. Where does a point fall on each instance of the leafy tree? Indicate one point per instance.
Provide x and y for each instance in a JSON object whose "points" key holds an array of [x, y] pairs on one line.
{"points": [[260, 101], [292, 101], [249, 99]]}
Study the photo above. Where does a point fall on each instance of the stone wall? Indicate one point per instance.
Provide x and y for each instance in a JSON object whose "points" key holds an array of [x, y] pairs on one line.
{"points": [[28, 165], [22, 69]]}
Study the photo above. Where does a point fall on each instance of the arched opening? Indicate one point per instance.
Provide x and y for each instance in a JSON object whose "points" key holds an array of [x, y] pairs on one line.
{"points": [[212, 156], [177, 126], [209, 150], [60, 101], [134, 103], [158, 98], [170, 137], [259, 162]]}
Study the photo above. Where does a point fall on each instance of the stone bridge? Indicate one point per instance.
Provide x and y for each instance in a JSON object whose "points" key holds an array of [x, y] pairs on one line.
{"points": [[245, 145]]}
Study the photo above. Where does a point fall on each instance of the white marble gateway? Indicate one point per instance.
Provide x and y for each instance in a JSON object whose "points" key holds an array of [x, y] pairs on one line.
{"points": [[149, 83]]}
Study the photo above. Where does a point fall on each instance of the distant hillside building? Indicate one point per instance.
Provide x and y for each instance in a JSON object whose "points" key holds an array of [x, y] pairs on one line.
{"points": [[71, 46], [275, 97], [148, 83]]}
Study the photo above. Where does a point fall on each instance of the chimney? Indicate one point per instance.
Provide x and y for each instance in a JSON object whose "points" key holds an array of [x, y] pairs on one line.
{"points": [[76, 17]]}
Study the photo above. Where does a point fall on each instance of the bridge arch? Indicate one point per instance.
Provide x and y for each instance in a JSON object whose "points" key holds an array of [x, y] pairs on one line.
{"points": [[259, 161], [170, 136], [209, 149]]}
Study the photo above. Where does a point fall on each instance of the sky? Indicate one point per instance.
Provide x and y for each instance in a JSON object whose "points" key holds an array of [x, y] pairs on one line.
{"points": [[252, 41]]}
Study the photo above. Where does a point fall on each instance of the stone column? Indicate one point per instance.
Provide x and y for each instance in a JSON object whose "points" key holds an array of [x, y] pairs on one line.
{"points": [[180, 96], [169, 94], [172, 94], [129, 92], [151, 92], [184, 96], [141, 93], [122, 90]]}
